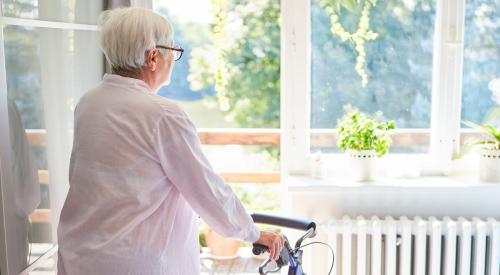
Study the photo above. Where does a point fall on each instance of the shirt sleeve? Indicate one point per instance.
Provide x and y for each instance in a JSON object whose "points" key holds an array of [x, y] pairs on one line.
{"points": [[188, 169]]}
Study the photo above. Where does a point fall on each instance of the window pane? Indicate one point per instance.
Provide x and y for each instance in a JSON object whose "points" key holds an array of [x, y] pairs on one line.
{"points": [[398, 65], [44, 82], [481, 62], [253, 60], [253, 93], [84, 12]]}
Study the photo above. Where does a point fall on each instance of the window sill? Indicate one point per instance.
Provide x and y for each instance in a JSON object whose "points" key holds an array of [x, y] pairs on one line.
{"points": [[321, 199], [422, 182]]}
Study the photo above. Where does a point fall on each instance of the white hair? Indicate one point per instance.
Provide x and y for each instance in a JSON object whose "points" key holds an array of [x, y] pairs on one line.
{"points": [[128, 33]]}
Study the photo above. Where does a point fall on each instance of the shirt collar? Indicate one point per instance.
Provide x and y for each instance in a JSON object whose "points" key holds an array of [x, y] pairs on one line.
{"points": [[127, 81]]}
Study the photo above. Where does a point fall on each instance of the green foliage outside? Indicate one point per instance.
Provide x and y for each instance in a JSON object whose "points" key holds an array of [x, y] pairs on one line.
{"points": [[481, 62], [358, 131], [258, 198], [253, 64], [202, 239], [23, 74], [398, 64]]}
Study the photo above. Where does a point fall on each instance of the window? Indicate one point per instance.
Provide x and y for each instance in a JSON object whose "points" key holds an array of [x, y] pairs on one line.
{"points": [[227, 120], [192, 33], [398, 66], [481, 61], [251, 47], [430, 58]]}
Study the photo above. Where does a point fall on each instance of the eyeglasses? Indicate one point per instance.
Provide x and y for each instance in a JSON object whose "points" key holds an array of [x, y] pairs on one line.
{"points": [[178, 51]]}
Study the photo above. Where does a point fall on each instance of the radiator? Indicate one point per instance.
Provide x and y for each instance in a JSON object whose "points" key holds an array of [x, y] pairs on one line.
{"points": [[416, 246]]}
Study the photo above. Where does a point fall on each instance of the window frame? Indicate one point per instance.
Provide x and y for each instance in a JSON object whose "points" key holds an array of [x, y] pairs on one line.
{"points": [[447, 70]]}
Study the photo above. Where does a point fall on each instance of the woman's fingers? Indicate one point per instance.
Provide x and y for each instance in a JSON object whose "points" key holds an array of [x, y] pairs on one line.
{"points": [[277, 247], [271, 252], [273, 241], [276, 250]]}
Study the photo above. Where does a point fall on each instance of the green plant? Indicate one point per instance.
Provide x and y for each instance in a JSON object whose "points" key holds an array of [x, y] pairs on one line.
{"points": [[202, 238], [493, 133], [492, 139], [358, 131], [258, 198], [251, 63]]}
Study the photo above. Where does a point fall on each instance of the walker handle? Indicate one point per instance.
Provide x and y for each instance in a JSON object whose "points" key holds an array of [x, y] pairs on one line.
{"points": [[281, 221]]}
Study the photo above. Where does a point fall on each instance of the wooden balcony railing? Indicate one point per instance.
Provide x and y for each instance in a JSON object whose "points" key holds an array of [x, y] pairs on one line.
{"points": [[260, 137], [263, 177], [221, 136]]}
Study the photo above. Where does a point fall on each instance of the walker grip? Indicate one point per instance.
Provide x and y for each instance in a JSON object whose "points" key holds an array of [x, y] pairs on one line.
{"points": [[259, 249]]}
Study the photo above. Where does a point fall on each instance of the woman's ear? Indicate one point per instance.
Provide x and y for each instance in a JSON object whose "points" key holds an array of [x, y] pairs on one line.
{"points": [[151, 59]]}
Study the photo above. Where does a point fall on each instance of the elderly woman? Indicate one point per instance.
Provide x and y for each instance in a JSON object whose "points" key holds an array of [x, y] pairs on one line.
{"points": [[138, 177]]}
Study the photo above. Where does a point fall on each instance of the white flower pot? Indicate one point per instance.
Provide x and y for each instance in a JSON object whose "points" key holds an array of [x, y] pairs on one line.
{"points": [[363, 164], [489, 165]]}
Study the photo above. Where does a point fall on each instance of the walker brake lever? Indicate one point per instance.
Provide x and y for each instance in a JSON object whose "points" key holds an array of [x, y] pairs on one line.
{"points": [[283, 259]]}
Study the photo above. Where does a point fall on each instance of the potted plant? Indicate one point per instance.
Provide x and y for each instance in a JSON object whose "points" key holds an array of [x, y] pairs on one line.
{"points": [[364, 139], [259, 199], [220, 247], [489, 157]]}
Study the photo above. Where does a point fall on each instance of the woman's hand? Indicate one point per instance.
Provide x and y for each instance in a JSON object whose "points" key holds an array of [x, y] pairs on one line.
{"points": [[273, 241]]}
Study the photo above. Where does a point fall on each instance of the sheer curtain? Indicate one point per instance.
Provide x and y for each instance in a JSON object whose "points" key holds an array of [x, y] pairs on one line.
{"points": [[47, 62]]}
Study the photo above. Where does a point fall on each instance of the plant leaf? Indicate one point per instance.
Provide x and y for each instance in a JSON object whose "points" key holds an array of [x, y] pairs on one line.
{"points": [[485, 128], [473, 125], [496, 133], [468, 147]]}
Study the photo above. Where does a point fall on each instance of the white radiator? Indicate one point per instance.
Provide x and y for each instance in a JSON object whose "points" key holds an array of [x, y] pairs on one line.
{"points": [[415, 247]]}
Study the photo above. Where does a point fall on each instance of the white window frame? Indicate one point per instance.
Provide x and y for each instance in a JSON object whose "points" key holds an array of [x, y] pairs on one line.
{"points": [[296, 86], [147, 4]]}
